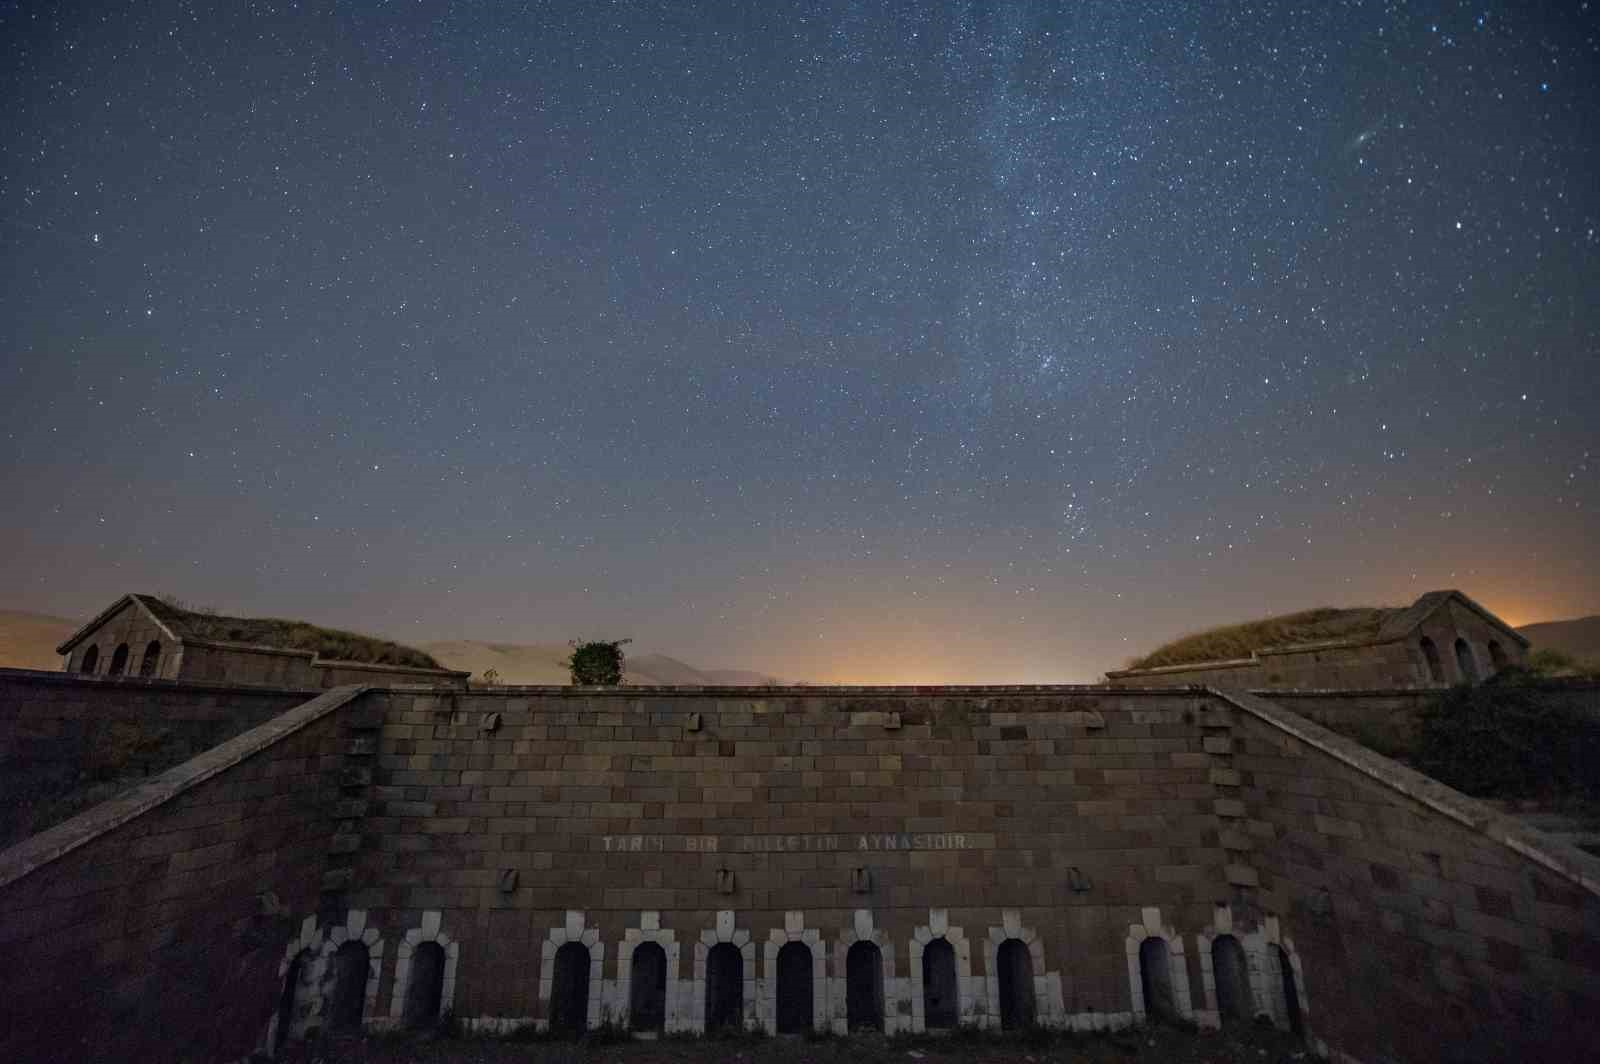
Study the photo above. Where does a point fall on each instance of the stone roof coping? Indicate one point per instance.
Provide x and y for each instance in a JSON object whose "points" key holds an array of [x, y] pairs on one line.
{"points": [[373, 666], [147, 682], [248, 648], [53, 843], [1215, 663], [830, 691], [1566, 861]]}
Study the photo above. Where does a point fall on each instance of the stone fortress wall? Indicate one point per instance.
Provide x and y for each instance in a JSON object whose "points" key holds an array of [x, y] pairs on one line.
{"points": [[1077, 857]]}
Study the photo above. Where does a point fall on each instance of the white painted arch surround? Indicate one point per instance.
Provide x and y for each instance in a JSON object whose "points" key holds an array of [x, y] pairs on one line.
{"points": [[861, 929], [938, 926], [795, 930], [650, 930], [738, 937], [1047, 1008], [572, 930], [430, 931], [1152, 927]]}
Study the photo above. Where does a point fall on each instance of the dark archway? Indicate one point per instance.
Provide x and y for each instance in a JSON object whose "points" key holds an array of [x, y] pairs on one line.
{"points": [[91, 661], [941, 1001], [294, 998], [863, 987], [795, 1010], [724, 987], [151, 659], [1465, 662], [1014, 973], [348, 999], [1497, 655], [1155, 975], [425, 987], [1430, 654], [1230, 974], [119, 660], [1291, 993], [647, 988], [569, 991]]}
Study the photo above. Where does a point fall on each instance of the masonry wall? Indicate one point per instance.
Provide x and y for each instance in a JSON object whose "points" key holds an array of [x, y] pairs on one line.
{"points": [[1420, 932], [161, 937], [239, 663], [60, 731], [1069, 813], [1389, 717]]}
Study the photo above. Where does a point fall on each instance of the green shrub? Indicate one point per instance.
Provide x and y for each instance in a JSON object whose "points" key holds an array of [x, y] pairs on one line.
{"points": [[1507, 738], [596, 663]]}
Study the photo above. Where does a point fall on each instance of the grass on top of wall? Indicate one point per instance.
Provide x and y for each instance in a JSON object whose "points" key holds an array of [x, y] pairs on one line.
{"points": [[330, 643], [1240, 640]]}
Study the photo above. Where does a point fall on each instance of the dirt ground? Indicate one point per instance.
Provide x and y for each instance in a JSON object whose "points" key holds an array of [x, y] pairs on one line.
{"points": [[1252, 1045]]}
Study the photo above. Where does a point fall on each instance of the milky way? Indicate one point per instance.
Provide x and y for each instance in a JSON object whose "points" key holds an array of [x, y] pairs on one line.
{"points": [[886, 342]]}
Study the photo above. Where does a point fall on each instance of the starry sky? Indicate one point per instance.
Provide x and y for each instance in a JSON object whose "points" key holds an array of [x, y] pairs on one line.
{"points": [[843, 341]]}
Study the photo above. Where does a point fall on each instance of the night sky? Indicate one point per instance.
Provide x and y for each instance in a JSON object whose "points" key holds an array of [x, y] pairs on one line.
{"points": [[841, 341]]}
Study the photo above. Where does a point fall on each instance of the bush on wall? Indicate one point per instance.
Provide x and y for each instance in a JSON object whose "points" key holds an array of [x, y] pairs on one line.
{"points": [[596, 663]]}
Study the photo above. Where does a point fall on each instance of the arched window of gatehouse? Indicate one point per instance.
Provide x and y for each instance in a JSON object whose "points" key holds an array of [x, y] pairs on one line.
{"points": [[1465, 663], [1497, 655], [119, 660], [91, 661], [151, 659], [1430, 654]]}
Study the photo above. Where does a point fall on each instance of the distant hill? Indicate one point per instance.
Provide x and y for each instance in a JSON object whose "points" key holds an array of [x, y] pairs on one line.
{"points": [[29, 640], [1578, 638], [544, 663]]}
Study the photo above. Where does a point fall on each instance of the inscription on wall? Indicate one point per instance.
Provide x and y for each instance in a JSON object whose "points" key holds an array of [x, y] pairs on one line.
{"points": [[866, 842]]}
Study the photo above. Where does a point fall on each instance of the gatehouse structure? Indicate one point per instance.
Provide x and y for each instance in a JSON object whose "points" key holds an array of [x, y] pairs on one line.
{"points": [[793, 859]]}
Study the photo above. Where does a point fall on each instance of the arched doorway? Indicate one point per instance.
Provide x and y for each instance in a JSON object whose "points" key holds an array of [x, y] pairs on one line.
{"points": [[151, 659], [863, 994], [569, 991], [119, 660], [724, 987], [1465, 662], [1291, 993], [1230, 974], [1014, 974], [794, 988], [426, 985], [647, 988], [348, 998], [941, 1000], [1155, 976], [295, 999]]}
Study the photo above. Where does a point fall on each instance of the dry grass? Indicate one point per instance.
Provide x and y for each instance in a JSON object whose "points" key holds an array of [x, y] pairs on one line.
{"points": [[330, 643], [1240, 640]]}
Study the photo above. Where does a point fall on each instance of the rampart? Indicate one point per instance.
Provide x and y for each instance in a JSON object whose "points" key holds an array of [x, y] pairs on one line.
{"points": [[1077, 857], [61, 733]]}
